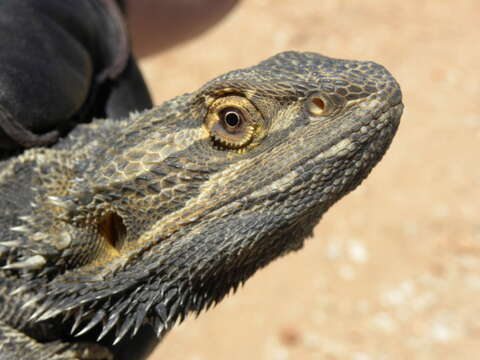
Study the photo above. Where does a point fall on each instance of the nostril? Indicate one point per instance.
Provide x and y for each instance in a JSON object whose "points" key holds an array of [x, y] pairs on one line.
{"points": [[319, 103], [316, 105]]}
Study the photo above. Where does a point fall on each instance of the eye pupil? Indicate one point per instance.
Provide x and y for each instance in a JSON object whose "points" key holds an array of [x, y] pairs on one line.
{"points": [[232, 119]]}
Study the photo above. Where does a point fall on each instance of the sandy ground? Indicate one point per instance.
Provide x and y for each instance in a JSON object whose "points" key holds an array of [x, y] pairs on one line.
{"points": [[393, 271]]}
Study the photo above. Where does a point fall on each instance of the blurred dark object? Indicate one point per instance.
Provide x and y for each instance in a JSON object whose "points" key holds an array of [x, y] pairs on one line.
{"points": [[158, 24], [63, 62]]}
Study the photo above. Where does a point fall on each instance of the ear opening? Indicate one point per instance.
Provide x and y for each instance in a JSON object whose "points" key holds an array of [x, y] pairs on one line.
{"points": [[113, 230]]}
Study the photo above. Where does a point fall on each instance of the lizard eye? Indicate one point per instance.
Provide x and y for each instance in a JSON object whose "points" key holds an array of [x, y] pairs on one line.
{"points": [[232, 122]]}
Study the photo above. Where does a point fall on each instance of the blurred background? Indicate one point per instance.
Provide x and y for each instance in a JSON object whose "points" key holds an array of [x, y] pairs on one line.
{"points": [[393, 271]]}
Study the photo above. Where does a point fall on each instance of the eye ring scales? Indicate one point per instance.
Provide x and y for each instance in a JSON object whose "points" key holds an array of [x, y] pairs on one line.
{"points": [[232, 122]]}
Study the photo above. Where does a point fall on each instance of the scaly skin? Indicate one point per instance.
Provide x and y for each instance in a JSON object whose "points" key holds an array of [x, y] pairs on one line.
{"points": [[131, 224]]}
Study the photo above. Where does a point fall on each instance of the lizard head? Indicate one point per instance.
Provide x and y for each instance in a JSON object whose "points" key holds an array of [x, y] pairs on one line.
{"points": [[189, 199]]}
